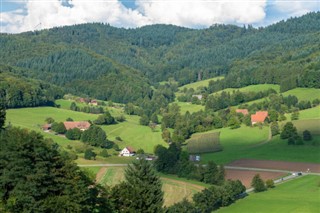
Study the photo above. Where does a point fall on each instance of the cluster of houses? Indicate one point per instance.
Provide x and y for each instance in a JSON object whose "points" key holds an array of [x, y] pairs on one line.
{"points": [[258, 117]]}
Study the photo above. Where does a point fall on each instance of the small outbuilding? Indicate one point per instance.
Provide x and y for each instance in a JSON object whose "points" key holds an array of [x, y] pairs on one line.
{"points": [[243, 111]]}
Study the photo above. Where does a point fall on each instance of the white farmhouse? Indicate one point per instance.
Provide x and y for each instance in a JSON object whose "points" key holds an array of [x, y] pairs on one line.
{"points": [[127, 152]]}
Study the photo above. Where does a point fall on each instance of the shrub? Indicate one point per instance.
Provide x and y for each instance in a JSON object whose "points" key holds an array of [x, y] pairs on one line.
{"points": [[90, 154], [307, 135], [270, 183], [258, 184], [104, 153]]}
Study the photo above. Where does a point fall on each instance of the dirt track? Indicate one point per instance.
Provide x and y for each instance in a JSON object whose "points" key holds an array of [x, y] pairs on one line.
{"points": [[246, 176], [280, 165]]}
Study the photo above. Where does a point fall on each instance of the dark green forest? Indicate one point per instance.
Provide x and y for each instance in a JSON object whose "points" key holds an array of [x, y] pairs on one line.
{"points": [[121, 65]]}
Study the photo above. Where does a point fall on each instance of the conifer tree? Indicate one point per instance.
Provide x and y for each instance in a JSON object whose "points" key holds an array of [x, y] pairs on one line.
{"points": [[141, 191]]}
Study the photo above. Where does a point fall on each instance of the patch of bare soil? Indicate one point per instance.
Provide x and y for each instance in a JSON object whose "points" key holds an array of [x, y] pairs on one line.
{"points": [[246, 176], [280, 165]]}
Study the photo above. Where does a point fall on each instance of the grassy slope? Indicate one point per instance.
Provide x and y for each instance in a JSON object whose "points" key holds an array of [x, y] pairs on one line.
{"points": [[235, 141], [304, 94], [244, 143], [186, 106], [197, 84], [130, 131], [135, 135], [253, 88], [300, 195], [175, 189]]}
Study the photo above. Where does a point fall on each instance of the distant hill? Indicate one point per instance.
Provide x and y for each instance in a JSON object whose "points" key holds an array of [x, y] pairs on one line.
{"points": [[120, 64]]}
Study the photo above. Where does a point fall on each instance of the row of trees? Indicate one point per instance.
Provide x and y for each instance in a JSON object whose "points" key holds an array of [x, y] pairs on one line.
{"points": [[175, 161], [86, 109]]}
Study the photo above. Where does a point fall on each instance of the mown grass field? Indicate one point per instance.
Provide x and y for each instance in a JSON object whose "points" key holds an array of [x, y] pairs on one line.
{"points": [[197, 84], [175, 189], [296, 196]]}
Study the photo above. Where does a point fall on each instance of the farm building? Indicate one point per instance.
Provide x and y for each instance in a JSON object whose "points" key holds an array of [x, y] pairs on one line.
{"points": [[82, 125], [94, 102], [46, 127], [243, 111], [127, 152], [259, 117]]}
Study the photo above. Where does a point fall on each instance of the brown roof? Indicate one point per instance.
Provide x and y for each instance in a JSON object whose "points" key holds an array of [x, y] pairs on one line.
{"points": [[130, 149], [243, 111], [260, 116], [76, 124], [46, 126]]}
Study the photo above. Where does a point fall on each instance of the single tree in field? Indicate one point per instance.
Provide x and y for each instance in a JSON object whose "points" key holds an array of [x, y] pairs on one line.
{"points": [[307, 135], [270, 183], [141, 192], [288, 131], [258, 184]]}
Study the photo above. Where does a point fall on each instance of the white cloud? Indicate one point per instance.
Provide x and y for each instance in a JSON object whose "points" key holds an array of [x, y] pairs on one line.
{"points": [[296, 8], [189, 13], [203, 12], [52, 13]]}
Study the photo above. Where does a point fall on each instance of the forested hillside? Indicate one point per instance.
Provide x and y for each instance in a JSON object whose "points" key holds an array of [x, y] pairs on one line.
{"points": [[119, 64], [17, 91]]}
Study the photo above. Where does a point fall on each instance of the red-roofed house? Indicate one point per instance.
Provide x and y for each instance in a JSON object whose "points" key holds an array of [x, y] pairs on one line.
{"points": [[243, 111], [46, 127], [259, 117], [82, 125], [127, 151]]}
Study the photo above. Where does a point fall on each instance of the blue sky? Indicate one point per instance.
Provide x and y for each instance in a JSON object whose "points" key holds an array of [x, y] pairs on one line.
{"points": [[24, 15]]}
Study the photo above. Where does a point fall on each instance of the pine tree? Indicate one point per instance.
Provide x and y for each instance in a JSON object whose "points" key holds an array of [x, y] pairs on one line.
{"points": [[141, 191]]}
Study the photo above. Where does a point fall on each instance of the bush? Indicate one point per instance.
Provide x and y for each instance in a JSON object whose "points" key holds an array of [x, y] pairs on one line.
{"points": [[270, 183], [69, 119], [118, 138], [307, 135], [104, 153], [258, 184], [73, 134], [59, 128], [121, 118], [90, 154], [49, 120]]}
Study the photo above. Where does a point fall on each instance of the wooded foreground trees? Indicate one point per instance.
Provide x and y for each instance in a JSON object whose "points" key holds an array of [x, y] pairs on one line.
{"points": [[35, 177], [141, 191]]}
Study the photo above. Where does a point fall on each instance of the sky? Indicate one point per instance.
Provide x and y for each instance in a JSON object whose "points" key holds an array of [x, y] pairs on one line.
{"points": [[27, 15]]}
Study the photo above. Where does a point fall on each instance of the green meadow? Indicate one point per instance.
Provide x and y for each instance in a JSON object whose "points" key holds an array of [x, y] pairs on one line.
{"points": [[135, 135], [130, 131], [304, 94], [252, 142], [311, 113], [296, 196], [187, 106], [203, 83], [175, 189], [252, 88]]}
